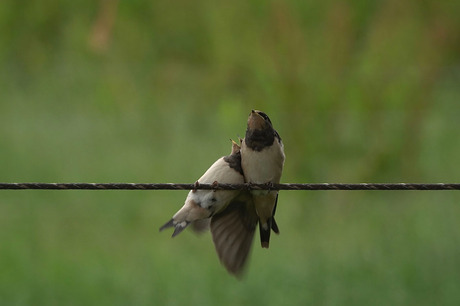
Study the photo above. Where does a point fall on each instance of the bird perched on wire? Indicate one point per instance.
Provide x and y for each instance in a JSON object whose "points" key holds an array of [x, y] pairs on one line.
{"points": [[229, 213], [203, 204], [232, 214], [262, 160]]}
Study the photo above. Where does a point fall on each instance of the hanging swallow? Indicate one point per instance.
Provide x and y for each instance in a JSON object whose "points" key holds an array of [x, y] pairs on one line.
{"points": [[203, 204], [230, 214], [262, 160]]}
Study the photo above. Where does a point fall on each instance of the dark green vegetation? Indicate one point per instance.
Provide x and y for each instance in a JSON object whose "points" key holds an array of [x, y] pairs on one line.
{"points": [[359, 92]]}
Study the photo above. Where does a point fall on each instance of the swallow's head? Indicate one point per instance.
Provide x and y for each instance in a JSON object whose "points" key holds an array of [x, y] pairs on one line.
{"points": [[235, 147], [234, 159], [259, 121], [260, 132]]}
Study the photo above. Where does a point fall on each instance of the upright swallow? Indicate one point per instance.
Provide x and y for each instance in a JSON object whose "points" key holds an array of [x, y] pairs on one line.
{"points": [[203, 204], [262, 161]]}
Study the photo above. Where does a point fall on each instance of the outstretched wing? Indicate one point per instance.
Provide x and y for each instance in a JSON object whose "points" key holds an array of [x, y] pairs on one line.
{"points": [[233, 232]]}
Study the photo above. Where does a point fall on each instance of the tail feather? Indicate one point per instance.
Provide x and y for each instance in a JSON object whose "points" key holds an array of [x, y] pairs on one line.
{"points": [[275, 226], [264, 230], [178, 226], [168, 224], [267, 222]]}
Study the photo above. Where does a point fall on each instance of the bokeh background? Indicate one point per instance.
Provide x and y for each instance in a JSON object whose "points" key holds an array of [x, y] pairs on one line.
{"points": [[152, 91]]}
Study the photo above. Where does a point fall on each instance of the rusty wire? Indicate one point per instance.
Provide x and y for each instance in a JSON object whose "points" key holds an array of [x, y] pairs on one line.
{"points": [[218, 186]]}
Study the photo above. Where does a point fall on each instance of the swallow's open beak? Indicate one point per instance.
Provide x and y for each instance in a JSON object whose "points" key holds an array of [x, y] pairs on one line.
{"points": [[256, 121]]}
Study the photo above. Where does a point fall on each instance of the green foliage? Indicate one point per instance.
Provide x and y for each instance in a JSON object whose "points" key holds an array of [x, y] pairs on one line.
{"points": [[359, 92]]}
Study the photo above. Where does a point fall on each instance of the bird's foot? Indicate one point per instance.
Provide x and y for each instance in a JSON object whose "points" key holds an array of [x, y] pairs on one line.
{"points": [[195, 186], [249, 186], [270, 185]]}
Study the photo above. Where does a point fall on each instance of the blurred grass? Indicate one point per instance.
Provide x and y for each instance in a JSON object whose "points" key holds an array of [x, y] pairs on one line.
{"points": [[360, 92]]}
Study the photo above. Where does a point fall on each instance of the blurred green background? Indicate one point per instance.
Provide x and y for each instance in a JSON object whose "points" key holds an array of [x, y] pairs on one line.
{"points": [[151, 91]]}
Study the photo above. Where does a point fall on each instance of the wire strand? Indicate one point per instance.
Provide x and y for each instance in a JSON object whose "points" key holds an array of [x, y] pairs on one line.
{"points": [[217, 186]]}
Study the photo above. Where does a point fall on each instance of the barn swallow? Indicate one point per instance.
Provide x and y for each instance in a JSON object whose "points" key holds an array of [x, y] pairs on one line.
{"points": [[262, 160], [230, 214], [203, 204]]}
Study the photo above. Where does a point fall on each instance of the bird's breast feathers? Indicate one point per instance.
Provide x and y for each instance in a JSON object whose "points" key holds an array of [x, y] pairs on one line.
{"points": [[221, 172], [263, 166]]}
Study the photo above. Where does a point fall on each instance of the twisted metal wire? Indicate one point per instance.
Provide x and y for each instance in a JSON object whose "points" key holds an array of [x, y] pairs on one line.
{"points": [[217, 186]]}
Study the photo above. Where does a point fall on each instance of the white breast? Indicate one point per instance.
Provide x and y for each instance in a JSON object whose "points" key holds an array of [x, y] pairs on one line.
{"points": [[222, 173], [264, 166]]}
